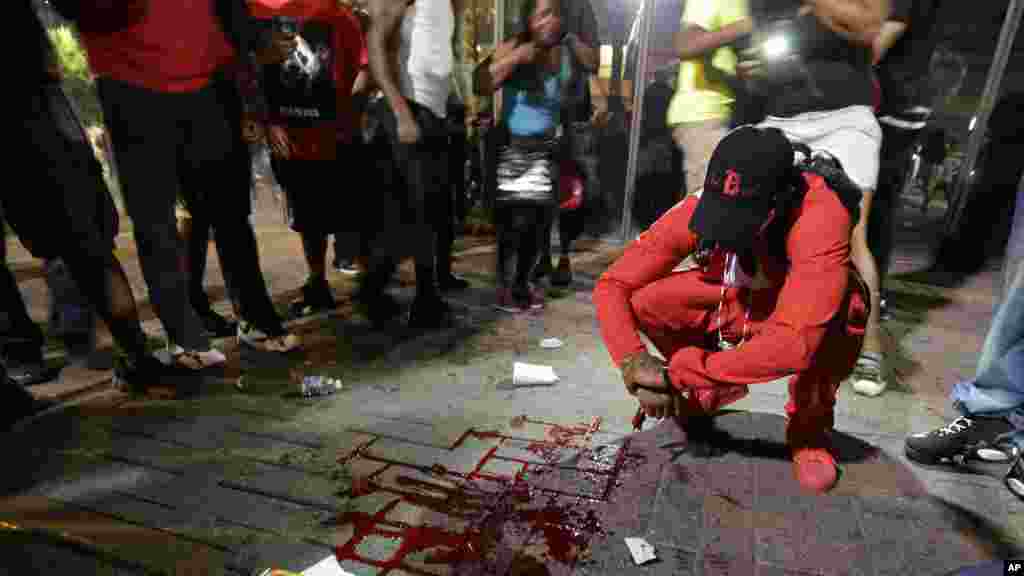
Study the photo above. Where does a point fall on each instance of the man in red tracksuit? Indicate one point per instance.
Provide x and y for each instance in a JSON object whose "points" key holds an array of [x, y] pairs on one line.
{"points": [[772, 297]]}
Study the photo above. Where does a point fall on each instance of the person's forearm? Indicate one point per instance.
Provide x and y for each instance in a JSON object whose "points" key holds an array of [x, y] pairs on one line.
{"points": [[502, 67], [695, 42], [857, 20], [380, 67]]}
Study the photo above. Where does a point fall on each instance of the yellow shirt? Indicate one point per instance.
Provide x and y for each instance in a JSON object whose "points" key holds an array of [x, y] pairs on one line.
{"points": [[697, 98]]}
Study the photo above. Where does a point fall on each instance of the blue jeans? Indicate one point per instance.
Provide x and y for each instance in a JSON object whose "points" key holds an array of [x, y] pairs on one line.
{"points": [[998, 387]]}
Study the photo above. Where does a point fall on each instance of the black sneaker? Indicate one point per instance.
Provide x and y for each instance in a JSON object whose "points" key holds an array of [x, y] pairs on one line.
{"points": [[429, 313], [147, 373], [959, 439], [216, 325], [316, 298], [1015, 478]]}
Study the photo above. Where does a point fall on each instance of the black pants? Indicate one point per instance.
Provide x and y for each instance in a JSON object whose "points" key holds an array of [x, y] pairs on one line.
{"points": [[896, 145], [192, 140], [520, 229], [69, 215], [426, 204], [987, 218]]}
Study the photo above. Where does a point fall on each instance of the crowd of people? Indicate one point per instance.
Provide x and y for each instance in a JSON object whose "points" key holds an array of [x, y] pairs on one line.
{"points": [[332, 88], [764, 271], [795, 119]]}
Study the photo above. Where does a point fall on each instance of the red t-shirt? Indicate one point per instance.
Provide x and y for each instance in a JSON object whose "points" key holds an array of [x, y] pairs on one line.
{"points": [[310, 94], [175, 47]]}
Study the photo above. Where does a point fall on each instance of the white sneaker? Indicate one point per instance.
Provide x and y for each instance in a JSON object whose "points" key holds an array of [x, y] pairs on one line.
{"points": [[867, 375], [191, 359], [257, 339]]}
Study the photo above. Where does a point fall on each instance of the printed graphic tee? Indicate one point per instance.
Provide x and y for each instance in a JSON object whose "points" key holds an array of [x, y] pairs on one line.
{"points": [[310, 93]]}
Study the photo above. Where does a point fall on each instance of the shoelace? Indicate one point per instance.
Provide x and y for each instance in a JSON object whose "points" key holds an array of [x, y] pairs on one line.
{"points": [[955, 427]]}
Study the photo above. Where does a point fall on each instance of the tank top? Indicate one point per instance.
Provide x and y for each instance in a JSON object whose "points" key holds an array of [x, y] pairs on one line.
{"points": [[532, 105], [425, 53]]}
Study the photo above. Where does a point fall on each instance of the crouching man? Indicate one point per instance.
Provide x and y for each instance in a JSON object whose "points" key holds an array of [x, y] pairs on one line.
{"points": [[774, 295]]}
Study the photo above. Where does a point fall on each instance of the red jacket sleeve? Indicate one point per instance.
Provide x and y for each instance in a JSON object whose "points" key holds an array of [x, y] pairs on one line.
{"points": [[818, 248], [650, 258]]}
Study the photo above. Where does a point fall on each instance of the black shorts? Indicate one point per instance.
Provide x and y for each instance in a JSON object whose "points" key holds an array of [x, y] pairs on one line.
{"points": [[315, 190], [69, 203]]}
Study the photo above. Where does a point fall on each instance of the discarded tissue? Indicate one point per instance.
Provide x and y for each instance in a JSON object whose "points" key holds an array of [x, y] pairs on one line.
{"points": [[642, 551], [524, 374]]}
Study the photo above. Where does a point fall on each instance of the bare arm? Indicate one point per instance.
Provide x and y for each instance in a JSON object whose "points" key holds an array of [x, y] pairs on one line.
{"points": [[887, 37], [385, 18], [694, 41], [856, 20], [495, 70]]}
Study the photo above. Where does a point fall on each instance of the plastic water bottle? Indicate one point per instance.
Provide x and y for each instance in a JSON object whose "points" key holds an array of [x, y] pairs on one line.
{"points": [[311, 386]]}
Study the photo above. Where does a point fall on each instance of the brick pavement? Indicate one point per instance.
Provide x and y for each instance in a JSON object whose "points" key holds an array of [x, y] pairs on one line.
{"points": [[417, 469]]}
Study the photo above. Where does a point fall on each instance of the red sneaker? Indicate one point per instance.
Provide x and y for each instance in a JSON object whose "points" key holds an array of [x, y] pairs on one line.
{"points": [[814, 468]]}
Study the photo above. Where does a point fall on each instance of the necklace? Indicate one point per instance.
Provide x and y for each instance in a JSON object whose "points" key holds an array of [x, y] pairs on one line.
{"points": [[724, 344]]}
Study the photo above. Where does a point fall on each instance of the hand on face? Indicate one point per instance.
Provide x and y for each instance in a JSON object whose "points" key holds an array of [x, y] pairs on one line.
{"points": [[546, 26]]}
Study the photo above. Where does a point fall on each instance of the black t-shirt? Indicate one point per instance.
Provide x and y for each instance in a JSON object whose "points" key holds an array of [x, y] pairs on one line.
{"points": [[834, 74], [904, 69]]}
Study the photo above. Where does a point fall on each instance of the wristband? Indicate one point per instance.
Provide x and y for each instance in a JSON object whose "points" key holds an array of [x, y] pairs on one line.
{"points": [[667, 378]]}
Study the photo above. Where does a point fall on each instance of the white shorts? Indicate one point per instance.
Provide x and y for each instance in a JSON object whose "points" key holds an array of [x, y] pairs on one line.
{"points": [[851, 135]]}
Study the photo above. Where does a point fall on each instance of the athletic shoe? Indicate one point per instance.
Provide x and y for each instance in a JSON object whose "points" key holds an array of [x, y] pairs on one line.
{"points": [[867, 375], [960, 438]]}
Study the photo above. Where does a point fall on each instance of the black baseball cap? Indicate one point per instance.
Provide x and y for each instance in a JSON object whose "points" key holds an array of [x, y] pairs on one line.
{"points": [[746, 171]]}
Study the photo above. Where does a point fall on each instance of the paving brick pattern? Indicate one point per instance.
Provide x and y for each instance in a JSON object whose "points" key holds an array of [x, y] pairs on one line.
{"points": [[407, 488], [568, 503]]}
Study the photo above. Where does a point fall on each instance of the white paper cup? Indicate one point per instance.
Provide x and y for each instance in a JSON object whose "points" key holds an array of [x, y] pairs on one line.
{"points": [[524, 374]]}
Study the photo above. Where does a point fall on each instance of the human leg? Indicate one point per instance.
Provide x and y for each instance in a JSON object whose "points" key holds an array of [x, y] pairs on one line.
{"points": [[812, 394], [896, 143], [219, 166], [698, 141], [869, 378], [991, 403], [146, 151]]}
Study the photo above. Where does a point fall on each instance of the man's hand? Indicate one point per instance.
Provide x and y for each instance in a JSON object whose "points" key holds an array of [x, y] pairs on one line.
{"points": [[657, 404], [279, 143], [643, 370], [408, 129], [281, 46]]}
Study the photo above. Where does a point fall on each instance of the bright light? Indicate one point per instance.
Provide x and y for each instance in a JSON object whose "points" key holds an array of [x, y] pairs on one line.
{"points": [[775, 46], [974, 120]]}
